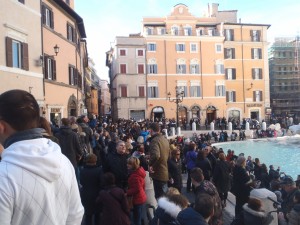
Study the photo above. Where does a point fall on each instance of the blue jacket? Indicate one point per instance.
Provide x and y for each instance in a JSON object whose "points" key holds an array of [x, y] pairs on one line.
{"points": [[189, 216]]}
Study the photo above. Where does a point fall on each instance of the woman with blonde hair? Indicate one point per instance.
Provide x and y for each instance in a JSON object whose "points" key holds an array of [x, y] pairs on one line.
{"points": [[136, 188]]}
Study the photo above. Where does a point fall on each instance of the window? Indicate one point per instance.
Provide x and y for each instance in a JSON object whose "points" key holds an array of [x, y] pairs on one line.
{"points": [[257, 73], [153, 92], [180, 68], [151, 47], [219, 68], [50, 68], [123, 91], [255, 35], [183, 89], [194, 69], [229, 35], [141, 69], [256, 53], [220, 90], [22, 1], [195, 91], [16, 54], [229, 53], [230, 74], [187, 31], [230, 96], [71, 36], [152, 68], [193, 48], [257, 96], [122, 52], [175, 30], [141, 91], [180, 47], [122, 68], [161, 30], [218, 48], [140, 52], [150, 30], [73, 79], [48, 19], [199, 32]]}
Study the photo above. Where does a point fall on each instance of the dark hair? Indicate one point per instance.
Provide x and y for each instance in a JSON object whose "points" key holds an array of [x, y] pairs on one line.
{"points": [[204, 205], [154, 126], [109, 179], [254, 204], [91, 159], [65, 121], [197, 174], [20, 110]]}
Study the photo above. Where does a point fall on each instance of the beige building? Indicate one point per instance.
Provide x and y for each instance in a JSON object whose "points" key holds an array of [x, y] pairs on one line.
{"points": [[21, 47], [105, 103], [128, 77], [219, 66], [63, 72]]}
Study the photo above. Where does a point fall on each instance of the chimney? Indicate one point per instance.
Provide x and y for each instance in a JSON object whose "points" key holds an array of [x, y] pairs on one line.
{"points": [[214, 9]]}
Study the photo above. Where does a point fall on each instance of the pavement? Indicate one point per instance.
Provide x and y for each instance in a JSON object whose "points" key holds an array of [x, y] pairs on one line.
{"points": [[228, 211]]}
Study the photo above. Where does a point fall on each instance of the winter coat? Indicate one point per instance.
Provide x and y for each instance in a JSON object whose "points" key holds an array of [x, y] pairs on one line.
{"points": [[69, 144], [189, 216], [294, 215], [206, 167], [252, 217], [221, 176], [136, 186], [159, 153], [240, 187], [114, 205], [208, 188], [190, 159], [174, 168], [117, 164], [166, 213], [91, 178]]}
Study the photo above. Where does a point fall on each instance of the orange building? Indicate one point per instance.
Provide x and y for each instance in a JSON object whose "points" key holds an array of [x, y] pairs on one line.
{"points": [[219, 65]]}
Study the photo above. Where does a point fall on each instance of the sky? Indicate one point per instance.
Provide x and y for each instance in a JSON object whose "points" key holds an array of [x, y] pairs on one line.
{"points": [[105, 20]]}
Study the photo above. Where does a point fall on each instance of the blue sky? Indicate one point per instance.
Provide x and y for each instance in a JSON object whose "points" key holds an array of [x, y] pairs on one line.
{"points": [[104, 20]]}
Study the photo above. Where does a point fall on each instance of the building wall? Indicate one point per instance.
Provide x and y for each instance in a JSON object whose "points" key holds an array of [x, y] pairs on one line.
{"points": [[26, 31]]}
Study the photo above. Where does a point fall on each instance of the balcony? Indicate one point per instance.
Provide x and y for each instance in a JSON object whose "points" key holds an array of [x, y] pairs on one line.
{"points": [[161, 31]]}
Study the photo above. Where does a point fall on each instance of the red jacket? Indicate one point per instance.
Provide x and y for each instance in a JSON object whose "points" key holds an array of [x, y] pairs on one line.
{"points": [[136, 183]]}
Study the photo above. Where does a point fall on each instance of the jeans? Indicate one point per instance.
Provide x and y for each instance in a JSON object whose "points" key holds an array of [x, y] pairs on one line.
{"points": [[160, 188], [137, 214]]}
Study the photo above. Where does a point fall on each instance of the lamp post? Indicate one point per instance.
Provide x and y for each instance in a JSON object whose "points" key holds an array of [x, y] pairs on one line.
{"points": [[177, 100]]}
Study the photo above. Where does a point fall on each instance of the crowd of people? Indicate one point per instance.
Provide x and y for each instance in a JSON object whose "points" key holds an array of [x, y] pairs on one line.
{"points": [[124, 172]]}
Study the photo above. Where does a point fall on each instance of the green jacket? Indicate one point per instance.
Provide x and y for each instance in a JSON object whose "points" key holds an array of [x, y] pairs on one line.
{"points": [[159, 154]]}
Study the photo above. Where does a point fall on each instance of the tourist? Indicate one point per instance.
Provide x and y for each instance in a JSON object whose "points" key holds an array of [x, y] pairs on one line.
{"points": [[204, 164], [136, 188], [158, 162], [190, 161], [200, 214], [174, 168], [36, 177]]}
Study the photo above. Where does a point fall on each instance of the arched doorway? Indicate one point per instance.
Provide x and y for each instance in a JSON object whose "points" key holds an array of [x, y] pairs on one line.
{"points": [[158, 113], [211, 113], [195, 112], [72, 106], [182, 116]]}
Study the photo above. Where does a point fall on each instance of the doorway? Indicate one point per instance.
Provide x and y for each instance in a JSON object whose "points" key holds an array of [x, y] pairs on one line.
{"points": [[211, 114]]}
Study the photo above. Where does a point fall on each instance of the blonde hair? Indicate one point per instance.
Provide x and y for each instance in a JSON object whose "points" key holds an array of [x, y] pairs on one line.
{"points": [[134, 162], [172, 191]]}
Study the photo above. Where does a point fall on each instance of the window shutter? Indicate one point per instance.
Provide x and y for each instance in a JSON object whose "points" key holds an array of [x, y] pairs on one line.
{"points": [[25, 60], [51, 20], [183, 68], [259, 35], [9, 52], [260, 96], [197, 69], [260, 73], [252, 53], [198, 91], [260, 53], [231, 35], [53, 69], [177, 69], [234, 96], [68, 32], [70, 74], [222, 68], [225, 53], [185, 91], [43, 14], [155, 69], [251, 35], [149, 91], [191, 69], [233, 53], [254, 99], [75, 77], [156, 92], [46, 67], [233, 74], [74, 35], [253, 73], [140, 69], [227, 96], [177, 47], [226, 74]]}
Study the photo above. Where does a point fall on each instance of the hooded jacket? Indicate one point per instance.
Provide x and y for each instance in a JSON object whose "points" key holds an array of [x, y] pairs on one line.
{"points": [[166, 212], [136, 183], [190, 216], [256, 217], [38, 185]]}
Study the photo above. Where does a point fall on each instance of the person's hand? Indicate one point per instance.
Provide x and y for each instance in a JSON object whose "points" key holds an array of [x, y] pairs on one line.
{"points": [[151, 169]]}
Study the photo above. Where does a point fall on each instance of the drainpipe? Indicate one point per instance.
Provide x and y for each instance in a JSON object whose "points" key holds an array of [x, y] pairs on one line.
{"points": [[166, 71], [201, 71], [42, 43], [243, 71]]}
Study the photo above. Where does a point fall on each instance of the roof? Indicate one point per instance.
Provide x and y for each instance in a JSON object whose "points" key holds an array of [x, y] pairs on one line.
{"points": [[249, 24], [72, 13]]}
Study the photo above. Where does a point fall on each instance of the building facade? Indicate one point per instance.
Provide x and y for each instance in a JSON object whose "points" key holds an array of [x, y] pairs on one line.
{"points": [[218, 64], [21, 48], [127, 70], [64, 72], [284, 77], [105, 100]]}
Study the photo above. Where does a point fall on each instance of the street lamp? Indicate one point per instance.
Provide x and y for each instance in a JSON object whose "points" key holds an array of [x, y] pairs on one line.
{"points": [[177, 100]]}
